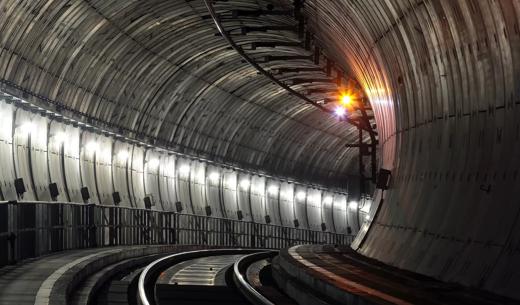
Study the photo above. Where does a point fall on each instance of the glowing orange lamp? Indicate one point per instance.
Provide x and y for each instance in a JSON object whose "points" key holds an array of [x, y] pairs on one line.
{"points": [[346, 100]]}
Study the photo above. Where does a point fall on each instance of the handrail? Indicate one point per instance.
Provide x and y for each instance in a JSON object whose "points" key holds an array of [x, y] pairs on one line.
{"points": [[243, 285], [157, 211], [151, 270], [36, 228]]}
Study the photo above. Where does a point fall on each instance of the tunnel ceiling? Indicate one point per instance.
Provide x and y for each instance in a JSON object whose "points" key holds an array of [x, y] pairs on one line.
{"points": [[159, 71]]}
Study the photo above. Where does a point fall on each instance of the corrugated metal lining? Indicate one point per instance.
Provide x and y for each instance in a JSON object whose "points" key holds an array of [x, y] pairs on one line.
{"points": [[440, 74], [156, 71], [443, 81]]}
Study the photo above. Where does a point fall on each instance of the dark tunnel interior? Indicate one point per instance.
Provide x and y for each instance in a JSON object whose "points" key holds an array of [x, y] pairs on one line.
{"points": [[296, 105]]}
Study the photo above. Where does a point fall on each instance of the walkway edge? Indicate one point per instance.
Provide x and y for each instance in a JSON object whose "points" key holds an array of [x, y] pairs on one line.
{"points": [[56, 288]]}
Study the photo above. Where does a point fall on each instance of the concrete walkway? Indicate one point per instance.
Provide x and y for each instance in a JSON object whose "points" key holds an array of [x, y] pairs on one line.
{"points": [[343, 276], [32, 282]]}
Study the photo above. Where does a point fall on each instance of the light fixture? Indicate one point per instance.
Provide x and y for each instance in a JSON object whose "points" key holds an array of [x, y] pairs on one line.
{"points": [[60, 137], [257, 188], [106, 154], [123, 155], [346, 99], [27, 128], [184, 169], [272, 189], [340, 111], [300, 195], [353, 205], [245, 183], [367, 217], [327, 200], [230, 182], [214, 177], [92, 146], [153, 163], [287, 195]]}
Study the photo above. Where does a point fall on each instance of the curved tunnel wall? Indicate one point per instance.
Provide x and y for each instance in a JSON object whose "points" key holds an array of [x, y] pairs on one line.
{"points": [[441, 76], [43, 150], [155, 71], [443, 79]]}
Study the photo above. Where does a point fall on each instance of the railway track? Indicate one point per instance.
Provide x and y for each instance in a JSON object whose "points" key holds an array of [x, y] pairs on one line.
{"points": [[252, 276], [225, 276], [217, 276]]}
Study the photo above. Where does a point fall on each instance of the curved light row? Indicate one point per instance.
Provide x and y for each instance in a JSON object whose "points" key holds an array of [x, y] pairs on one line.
{"points": [[270, 188], [93, 146], [60, 138]]}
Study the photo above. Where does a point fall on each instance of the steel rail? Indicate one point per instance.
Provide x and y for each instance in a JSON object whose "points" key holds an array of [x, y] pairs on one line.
{"points": [[152, 269], [241, 282]]}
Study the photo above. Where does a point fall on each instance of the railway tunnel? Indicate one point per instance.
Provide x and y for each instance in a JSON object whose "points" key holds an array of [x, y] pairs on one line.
{"points": [[259, 152]]}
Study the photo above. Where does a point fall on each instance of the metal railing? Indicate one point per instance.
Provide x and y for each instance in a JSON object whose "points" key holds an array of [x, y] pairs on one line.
{"points": [[32, 229]]}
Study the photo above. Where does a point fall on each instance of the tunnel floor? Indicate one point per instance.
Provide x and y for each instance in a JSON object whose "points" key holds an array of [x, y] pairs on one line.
{"points": [[309, 274], [33, 281], [346, 275]]}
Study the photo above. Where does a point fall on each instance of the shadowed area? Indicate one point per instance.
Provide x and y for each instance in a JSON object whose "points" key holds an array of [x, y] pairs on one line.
{"points": [[157, 71], [440, 77]]}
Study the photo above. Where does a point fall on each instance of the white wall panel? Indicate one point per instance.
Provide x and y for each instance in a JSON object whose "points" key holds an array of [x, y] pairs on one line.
{"points": [[152, 165], [314, 209], [300, 206], [56, 139], [214, 180], [183, 184], [137, 176], [352, 215], [167, 182], [229, 194], [88, 150], [104, 171], [71, 163], [272, 195], [364, 210], [258, 199], [198, 187], [340, 213], [6, 152], [23, 128], [287, 204], [243, 196], [38, 157], [51, 151], [120, 168], [327, 215]]}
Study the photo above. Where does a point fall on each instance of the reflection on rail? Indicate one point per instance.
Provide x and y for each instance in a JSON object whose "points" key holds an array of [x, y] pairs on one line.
{"points": [[215, 276], [147, 285], [241, 279]]}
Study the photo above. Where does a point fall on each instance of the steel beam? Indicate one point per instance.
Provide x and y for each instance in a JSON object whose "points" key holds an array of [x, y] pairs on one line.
{"points": [[250, 29], [274, 44], [258, 13], [301, 69], [297, 81]]}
